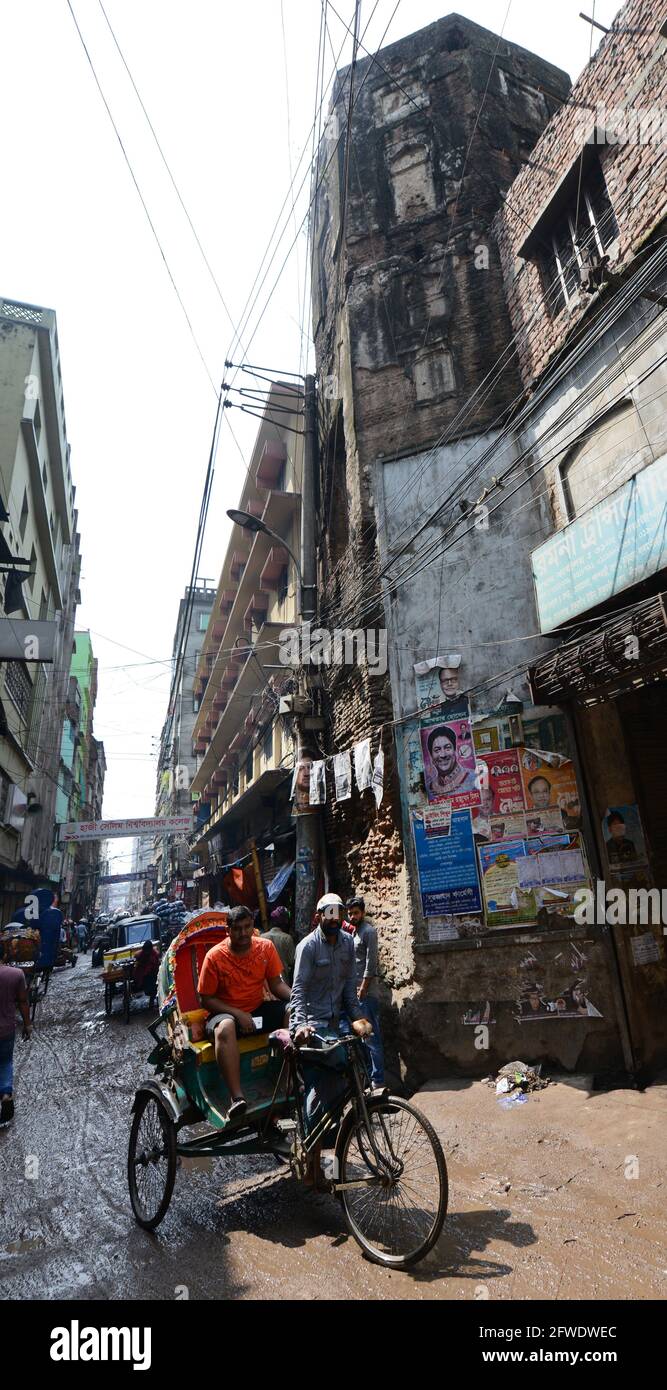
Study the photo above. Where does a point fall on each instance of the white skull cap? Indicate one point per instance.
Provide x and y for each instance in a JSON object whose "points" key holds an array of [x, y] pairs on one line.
{"points": [[329, 905]]}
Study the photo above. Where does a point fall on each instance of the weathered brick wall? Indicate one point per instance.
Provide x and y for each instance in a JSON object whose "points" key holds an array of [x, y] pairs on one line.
{"points": [[409, 316], [629, 71]]}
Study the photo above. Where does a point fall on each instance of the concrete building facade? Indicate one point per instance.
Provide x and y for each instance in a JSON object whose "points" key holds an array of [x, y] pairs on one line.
{"points": [[38, 494], [243, 746]]}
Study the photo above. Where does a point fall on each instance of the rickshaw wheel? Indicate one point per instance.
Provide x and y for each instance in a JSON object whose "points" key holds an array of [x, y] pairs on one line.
{"points": [[151, 1161], [397, 1221], [108, 999]]}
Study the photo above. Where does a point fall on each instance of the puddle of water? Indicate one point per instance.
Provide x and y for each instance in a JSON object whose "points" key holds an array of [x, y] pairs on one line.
{"points": [[201, 1165], [19, 1247]]}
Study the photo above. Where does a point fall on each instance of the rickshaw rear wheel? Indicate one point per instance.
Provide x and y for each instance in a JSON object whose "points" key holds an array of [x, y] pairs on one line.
{"points": [[151, 1161], [108, 999]]}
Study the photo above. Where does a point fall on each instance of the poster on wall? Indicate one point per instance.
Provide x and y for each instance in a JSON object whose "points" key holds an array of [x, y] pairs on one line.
{"points": [[449, 757], [437, 680], [447, 867], [507, 899], [537, 1003], [481, 1012], [500, 815], [624, 841], [487, 740], [547, 787]]}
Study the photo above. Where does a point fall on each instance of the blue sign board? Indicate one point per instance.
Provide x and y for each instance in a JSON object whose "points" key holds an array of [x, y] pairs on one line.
{"points": [[616, 544], [447, 867]]}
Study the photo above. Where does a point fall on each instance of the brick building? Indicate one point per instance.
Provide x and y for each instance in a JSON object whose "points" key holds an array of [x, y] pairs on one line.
{"points": [[444, 291]]}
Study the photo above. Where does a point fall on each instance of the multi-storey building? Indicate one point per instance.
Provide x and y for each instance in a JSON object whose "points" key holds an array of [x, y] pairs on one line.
{"points": [[177, 763], [488, 307], [38, 496], [243, 747], [81, 787]]}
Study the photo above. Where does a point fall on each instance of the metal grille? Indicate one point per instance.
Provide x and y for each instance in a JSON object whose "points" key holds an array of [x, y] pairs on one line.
{"points": [[19, 685], [22, 312], [628, 651]]}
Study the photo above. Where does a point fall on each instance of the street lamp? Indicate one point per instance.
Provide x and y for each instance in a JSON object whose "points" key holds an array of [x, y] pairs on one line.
{"points": [[254, 524]]}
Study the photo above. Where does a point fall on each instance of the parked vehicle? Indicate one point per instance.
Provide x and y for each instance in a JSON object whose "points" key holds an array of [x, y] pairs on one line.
{"points": [[388, 1169], [119, 958]]}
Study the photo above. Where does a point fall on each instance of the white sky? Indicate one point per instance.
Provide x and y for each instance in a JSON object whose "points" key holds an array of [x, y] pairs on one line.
{"points": [[75, 238]]}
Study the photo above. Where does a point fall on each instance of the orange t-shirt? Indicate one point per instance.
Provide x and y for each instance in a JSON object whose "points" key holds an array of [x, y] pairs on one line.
{"points": [[239, 980]]}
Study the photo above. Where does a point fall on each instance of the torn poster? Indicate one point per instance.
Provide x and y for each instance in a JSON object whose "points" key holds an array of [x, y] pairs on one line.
{"points": [[343, 775], [362, 765]]}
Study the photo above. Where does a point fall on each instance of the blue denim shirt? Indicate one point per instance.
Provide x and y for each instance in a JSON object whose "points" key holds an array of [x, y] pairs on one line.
{"points": [[324, 982]]}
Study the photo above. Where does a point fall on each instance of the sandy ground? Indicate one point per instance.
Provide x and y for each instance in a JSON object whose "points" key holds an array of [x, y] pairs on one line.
{"points": [[540, 1204]]}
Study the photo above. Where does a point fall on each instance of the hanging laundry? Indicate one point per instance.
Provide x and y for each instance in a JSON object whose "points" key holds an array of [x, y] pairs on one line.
{"points": [[343, 775], [362, 765]]}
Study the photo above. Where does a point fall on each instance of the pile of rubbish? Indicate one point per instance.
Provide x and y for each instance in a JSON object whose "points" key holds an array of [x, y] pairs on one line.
{"points": [[516, 1080]]}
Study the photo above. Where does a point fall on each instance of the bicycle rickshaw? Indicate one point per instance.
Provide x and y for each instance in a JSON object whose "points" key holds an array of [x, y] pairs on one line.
{"points": [[22, 947], [387, 1168], [119, 960]]}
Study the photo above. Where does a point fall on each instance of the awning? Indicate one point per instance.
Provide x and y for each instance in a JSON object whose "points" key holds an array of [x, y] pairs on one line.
{"points": [[278, 882], [625, 652]]}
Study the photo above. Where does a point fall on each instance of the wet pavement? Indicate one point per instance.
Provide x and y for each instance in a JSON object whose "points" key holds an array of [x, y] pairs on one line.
{"points": [[541, 1204]]}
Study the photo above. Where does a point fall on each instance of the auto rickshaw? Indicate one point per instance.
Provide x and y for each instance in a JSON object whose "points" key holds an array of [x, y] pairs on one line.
{"points": [[127, 938]]}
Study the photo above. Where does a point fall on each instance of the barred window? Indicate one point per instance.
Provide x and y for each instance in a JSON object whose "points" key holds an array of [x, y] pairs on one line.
{"points": [[19, 686]]}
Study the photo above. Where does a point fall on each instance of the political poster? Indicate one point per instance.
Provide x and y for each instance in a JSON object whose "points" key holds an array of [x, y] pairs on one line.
{"points": [[449, 757], [447, 867], [547, 786], [624, 841], [437, 679]]}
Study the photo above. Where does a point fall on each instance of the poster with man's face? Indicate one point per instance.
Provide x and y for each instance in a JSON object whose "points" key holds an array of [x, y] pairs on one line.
{"points": [[301, 790], [449, 759], [550, 789]]}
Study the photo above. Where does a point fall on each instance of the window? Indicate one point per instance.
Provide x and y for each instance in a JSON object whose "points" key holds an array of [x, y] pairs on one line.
{"points": [[43, 607], [577, 241], [608, 454], [45, 476], [283, 585], [248, 766], [37, 421], [203, 621], [5, 797], [195, 704], [267, 746], [19, 686], [33, 569], [24, 514]]}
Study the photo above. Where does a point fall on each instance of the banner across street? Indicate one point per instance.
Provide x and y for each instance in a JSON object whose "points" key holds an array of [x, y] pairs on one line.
{"points": [[114, 829]]}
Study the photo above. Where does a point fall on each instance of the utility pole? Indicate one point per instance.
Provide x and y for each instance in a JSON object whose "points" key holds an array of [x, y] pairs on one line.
{"points": [[308, 823]]}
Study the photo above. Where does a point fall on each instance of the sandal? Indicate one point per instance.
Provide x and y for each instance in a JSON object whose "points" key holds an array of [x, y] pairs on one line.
{"points": [[237, 1108]]}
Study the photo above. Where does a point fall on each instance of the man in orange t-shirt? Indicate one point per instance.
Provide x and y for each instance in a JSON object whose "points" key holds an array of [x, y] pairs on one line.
{"points": [[231, 986]]}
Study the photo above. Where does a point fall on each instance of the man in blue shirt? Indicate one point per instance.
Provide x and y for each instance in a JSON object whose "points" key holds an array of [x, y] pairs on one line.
{"points": [[323, 989]]}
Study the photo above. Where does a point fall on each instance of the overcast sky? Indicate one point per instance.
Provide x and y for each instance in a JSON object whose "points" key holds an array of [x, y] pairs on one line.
{"points": [[230, 90]]}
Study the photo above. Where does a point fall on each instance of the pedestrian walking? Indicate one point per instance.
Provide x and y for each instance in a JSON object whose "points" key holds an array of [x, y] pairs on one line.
{"points": [[13, 995], [279, 934], [365, 939]]}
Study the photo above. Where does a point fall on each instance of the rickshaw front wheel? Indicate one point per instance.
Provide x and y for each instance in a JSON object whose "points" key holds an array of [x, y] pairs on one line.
{"points": [[151, 1160], [394, 1188]]}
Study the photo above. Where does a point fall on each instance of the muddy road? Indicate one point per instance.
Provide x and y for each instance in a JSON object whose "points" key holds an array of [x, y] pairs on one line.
{"points": [[540, 1204]]}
